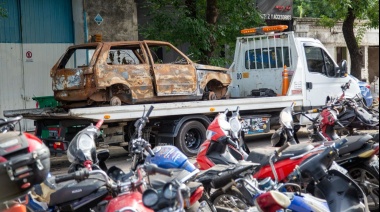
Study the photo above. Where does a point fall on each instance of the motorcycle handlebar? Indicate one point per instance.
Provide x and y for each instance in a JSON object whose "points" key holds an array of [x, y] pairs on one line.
{"points": [[153, 169], [146, 146], [78, 175], [149, 111], [231, 142]]}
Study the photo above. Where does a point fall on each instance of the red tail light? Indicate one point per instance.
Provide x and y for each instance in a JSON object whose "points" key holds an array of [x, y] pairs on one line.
{"points": [[59, 145], [272, 201], [196, 195], [368, 86]]}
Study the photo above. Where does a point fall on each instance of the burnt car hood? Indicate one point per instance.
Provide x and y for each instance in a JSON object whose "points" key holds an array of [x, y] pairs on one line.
{"points": [[210, 68]]}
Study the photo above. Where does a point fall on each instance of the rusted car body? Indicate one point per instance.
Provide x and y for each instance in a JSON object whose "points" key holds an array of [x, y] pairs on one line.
{"points": [[133, 72]]}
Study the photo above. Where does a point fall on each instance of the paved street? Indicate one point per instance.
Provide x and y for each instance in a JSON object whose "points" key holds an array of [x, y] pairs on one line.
{"points": [[119, 157]]}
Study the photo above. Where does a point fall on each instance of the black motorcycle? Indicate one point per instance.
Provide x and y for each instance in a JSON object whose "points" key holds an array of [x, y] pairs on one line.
{"points": [[325, 180]]}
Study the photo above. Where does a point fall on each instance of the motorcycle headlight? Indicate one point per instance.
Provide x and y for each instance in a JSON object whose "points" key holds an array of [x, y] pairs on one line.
{"points": [[169, 191], [150, 198], [86, 144], [286, 117], [235, 125]]}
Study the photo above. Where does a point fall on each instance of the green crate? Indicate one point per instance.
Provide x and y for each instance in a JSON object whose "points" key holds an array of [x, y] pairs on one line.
{"points": [[46, 101]]}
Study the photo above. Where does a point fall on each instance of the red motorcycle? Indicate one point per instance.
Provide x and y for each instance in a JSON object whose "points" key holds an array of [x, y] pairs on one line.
{"points": [[224, 146]]}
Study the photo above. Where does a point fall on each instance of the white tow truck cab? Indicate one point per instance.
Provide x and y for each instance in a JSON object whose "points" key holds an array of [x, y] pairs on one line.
{"points": [[260, 57]]}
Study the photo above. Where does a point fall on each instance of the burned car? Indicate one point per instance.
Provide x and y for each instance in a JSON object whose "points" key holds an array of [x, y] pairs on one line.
{"points": [[133, 72]]}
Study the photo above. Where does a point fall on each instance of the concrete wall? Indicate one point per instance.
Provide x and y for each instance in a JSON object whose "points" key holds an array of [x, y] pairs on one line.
{"points": [[119, 19], [333, 38]]}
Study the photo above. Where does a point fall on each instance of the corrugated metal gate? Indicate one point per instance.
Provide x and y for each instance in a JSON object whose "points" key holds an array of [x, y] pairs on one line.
{"points": [[32, 38]]}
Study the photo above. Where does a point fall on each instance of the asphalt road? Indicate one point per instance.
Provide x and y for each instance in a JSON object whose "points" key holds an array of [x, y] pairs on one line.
{"points": [[119, 156]]}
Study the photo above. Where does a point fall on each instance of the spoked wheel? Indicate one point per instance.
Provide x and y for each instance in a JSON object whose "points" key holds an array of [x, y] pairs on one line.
{"points": [[368, 179], [231, 199]]}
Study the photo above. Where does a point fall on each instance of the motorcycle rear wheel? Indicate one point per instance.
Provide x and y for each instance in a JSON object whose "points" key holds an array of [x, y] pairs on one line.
{"points": [[231, 199], [368, 179]]}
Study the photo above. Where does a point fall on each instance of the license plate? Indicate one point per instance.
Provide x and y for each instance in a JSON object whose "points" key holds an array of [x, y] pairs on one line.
{"points": [[335, 166]]}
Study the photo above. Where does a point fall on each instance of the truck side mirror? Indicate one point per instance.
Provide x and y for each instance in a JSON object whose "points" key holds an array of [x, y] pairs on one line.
{"points": [[342, 70]]}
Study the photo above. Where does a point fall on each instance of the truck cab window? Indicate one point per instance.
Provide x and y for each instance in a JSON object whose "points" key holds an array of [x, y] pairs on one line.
{"points": [[267, 58], [318, 61]]}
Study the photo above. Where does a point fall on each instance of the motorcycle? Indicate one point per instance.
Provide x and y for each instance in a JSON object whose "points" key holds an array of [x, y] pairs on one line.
{"points": [[266, 195], [24, 161], [82, 152], [220, 148], [358, 156], [339, 190], [174, 161], [352, 115]]}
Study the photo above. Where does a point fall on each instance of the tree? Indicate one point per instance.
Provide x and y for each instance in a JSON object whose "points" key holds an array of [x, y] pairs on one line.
{"points": [[207, 26], [348, 11]]}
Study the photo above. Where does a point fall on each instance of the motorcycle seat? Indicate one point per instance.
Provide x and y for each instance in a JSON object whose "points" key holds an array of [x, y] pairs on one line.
{"points": [[262, 155], [75, 191], [353, 143]]}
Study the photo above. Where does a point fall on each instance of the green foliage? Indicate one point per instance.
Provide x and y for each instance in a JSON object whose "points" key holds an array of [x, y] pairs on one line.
{"points": [[336, 10], [173, 21]]}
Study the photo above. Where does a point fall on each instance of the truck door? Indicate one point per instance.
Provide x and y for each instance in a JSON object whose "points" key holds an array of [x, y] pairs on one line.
{"points": [[173, 72], [320, 75]]}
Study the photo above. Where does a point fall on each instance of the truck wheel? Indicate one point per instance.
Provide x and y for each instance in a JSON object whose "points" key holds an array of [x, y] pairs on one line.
{"points": [[190, 137]]}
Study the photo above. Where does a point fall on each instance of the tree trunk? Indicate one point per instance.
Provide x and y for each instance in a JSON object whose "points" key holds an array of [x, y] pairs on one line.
{"points": [[211, 18], [352, 45], [192, 6]]}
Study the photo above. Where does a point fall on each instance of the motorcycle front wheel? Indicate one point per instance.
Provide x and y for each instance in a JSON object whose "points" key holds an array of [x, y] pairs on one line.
{"points": [[231, 199], [368, 179]]}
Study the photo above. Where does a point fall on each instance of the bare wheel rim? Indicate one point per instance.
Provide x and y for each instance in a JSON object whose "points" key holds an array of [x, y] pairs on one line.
{"points": [[193, 139], [230, 201], [369, 183]]}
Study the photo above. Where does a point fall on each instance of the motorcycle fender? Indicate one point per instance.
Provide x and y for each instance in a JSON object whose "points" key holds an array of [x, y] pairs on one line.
{"points": [[340, 192]]}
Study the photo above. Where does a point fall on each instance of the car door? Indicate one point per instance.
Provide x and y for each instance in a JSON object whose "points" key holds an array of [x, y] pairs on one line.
{"points": [[321, 80], [174, 73]]}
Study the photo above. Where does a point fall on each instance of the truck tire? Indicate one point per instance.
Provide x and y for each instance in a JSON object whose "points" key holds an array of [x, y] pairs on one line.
{"points": [[190, 137]]}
